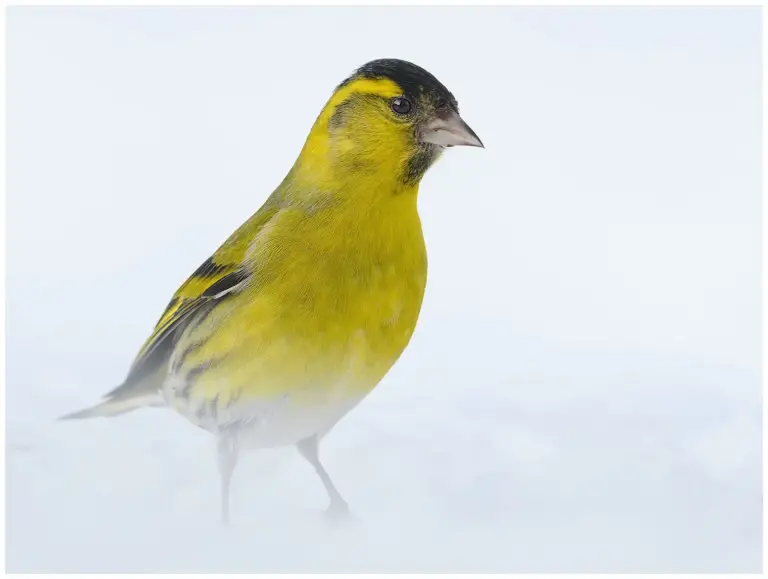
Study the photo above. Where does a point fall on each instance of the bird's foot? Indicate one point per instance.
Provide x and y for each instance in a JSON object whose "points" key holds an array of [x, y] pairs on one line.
{"points": [[338, 512]]}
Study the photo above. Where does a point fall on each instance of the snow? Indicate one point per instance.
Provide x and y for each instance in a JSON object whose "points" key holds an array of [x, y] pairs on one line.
{"points": [[582, 393]]}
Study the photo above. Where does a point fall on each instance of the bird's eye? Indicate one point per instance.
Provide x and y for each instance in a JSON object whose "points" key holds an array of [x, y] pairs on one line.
{"points": [[401, 106]]}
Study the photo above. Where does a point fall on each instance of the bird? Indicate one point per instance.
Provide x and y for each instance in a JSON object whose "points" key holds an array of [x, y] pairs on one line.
{"points": [[302, 311]]}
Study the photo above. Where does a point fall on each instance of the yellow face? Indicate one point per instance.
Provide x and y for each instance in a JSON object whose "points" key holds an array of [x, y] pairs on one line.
{"points": [[390, 120], [374, 125]]}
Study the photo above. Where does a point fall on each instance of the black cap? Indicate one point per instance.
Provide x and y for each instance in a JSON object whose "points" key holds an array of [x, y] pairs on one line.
{"points": [[410, 77]]}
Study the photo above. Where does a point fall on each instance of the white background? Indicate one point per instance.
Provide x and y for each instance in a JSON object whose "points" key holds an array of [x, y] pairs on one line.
{"points": [[583, 389]]}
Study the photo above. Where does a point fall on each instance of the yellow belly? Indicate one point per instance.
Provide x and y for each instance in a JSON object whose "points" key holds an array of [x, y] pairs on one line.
{"points": [[334, 302], [272, 347], [295, 354], [289, 371]]}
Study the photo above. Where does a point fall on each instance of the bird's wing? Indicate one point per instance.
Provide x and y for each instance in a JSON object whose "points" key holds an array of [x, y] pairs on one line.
{"points": [[220, 276], [211, 282]]}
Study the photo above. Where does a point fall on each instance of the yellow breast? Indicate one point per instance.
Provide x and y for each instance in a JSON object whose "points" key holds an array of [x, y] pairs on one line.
{"points": [[337, 298]]}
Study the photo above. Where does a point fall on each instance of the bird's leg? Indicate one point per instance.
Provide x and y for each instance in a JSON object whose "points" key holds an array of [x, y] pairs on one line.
{"points": [[227, 450], [309, 450]]}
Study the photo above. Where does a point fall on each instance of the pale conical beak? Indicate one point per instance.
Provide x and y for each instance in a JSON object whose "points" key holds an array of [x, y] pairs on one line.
{"points": [[448, 129]]}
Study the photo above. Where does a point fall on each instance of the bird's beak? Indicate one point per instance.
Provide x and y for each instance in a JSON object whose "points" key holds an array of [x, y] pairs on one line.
{"points": [[448, 129]]}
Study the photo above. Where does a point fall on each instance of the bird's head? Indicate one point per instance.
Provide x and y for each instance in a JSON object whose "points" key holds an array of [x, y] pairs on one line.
{"points": [[389, 120]]}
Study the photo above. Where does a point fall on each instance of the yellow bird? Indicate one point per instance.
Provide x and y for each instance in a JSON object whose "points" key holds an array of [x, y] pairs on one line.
{"points": [[304, 309]]}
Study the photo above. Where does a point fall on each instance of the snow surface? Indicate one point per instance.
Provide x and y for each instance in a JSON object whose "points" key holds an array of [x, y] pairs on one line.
{"points": [[583, 389]]}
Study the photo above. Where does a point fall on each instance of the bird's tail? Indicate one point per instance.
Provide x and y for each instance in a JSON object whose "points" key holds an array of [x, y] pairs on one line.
{"points": [[124, 398]]}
